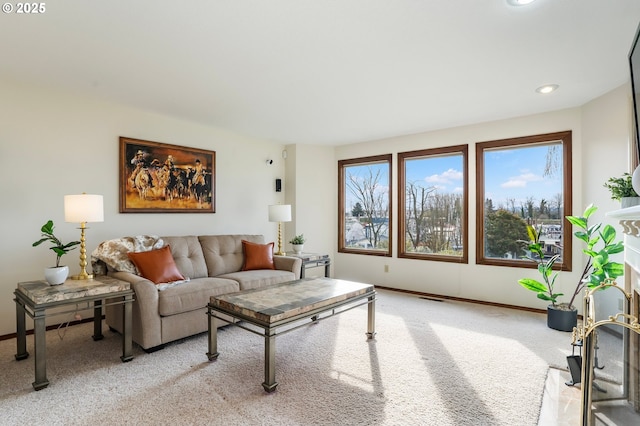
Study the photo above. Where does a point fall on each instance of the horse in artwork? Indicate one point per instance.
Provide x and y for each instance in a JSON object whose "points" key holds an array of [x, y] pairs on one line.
{"points": [[142, 183]]}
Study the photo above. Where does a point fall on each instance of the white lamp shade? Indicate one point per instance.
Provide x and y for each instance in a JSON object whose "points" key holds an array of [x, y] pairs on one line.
{"points": [[83, 208], [280, 213]]}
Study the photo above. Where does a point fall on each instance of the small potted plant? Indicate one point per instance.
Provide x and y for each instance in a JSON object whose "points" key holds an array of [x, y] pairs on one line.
{"points": [[298, 243], [600, 244], [622, 189], [55, 274]]}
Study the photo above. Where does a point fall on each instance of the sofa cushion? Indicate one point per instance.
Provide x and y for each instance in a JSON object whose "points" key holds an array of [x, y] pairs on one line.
{"points": [[193, 295], [187, 253], [156, 265], [223, 253], [257, 256], [259, 278]]}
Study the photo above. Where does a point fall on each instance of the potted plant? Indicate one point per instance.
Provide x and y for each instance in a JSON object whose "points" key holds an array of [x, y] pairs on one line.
{"points": [[622, 189], [600, 244], [55, 274], [298, 243]]}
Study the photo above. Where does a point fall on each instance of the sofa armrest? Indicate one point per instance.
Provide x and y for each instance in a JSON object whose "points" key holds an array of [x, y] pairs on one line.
{"points": [[288, 263], [147, 328], [146, 291]]}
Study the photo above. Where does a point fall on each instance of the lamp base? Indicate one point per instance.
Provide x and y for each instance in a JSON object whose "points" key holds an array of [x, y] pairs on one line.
{"points": [[280, 253], [82, 277]]}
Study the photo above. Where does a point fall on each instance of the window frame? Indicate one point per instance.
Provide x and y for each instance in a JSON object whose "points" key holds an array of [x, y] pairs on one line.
{"points": [[362, 161], [565, 137], [433, 152]]}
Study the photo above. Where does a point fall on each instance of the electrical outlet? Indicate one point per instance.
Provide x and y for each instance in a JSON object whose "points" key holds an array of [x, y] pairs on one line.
{"points": [[620, 304], [386, 268]]}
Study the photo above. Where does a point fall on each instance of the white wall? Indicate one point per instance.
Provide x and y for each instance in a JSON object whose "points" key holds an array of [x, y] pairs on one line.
{"points": [[314, 173], [600, 139], [53, 143], [606, 125]]}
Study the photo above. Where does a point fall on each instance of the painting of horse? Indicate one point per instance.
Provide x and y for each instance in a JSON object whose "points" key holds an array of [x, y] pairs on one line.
{"points": [[163, 178]]}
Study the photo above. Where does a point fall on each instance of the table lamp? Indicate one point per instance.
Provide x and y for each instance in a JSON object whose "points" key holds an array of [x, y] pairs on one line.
{"points": [[280, 213], [81, 209]]}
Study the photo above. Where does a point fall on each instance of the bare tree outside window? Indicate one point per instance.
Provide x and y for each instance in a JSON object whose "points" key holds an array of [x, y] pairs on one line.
{"points": [[364, 205], [523, 181], [433, 204]]}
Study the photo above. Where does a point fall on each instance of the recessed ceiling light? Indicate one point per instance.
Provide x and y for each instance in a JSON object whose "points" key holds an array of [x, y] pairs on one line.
{"points": [[547, 88], [519, 2]]}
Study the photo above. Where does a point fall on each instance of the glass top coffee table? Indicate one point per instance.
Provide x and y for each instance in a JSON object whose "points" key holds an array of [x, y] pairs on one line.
{"points": [[280, 308]]}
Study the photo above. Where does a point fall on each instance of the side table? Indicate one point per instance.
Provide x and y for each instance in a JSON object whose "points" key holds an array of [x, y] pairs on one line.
{"points": [[33, 298], [314, 260]]}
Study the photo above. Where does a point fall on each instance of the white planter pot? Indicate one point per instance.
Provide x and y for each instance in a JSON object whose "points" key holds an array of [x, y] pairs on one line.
{"points": [[297, 248], [629, 202], [56, 275]]}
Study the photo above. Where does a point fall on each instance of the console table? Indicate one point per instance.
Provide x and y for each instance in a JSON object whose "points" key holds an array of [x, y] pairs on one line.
{"points": [[314, 260], [33, 298]]}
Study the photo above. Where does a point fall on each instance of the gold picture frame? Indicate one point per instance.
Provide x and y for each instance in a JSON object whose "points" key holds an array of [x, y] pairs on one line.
{"points": [[163, 178]]}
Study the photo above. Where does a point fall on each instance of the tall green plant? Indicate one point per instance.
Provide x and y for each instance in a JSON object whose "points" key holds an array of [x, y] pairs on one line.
{"points": [[599, 266], [58, 246], [600, 245], [545, 267]]}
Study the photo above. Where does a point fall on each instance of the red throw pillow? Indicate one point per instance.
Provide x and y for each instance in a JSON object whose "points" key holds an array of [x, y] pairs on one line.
{"points": [[156, 265], [257, 256]]}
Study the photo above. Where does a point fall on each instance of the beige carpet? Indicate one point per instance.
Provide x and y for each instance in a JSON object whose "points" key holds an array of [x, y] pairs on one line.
{"points": [[432, 363]]}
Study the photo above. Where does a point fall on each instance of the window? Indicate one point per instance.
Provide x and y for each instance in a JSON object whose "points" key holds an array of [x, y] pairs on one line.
{"points": [[432, 204], [523, 181], [364, 194]]}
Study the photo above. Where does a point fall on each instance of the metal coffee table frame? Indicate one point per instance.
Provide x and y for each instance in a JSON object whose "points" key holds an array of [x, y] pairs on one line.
{"points": [[271, 330]]}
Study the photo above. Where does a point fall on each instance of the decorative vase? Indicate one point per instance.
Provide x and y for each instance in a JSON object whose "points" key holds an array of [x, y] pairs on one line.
{"points": [[297, 248], [56, 275], [561, 319]]}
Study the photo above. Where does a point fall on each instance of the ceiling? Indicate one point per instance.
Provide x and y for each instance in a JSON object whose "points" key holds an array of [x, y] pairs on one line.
{"points": [[325, 71]]}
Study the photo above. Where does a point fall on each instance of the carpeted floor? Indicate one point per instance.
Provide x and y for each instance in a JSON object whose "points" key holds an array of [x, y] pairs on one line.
{"points": [[432, 363]]}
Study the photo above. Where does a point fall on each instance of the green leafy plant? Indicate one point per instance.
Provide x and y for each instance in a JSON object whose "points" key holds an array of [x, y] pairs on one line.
{"points": [[600, 244], [58, 246], [545, 267], [298, 239], [620, 187], [599, 266]]}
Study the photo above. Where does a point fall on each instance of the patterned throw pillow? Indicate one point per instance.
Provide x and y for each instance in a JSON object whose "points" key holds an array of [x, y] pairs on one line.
{"points": [[113, 253]]}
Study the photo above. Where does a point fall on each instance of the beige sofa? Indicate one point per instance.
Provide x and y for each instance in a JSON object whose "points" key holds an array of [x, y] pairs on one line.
{"points": [[211, 264]]}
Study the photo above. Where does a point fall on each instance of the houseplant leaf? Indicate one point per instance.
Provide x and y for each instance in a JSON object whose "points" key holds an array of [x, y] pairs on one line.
{"points": [[608, 234], [580, 222], [533, 285]]}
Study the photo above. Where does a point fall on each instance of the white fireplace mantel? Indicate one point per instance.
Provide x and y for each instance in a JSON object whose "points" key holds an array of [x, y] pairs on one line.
{"points": [[629, 213], [630, 221]]}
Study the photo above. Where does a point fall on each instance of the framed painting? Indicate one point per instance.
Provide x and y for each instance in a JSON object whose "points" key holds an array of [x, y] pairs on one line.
{"points": [[162, 178]]}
